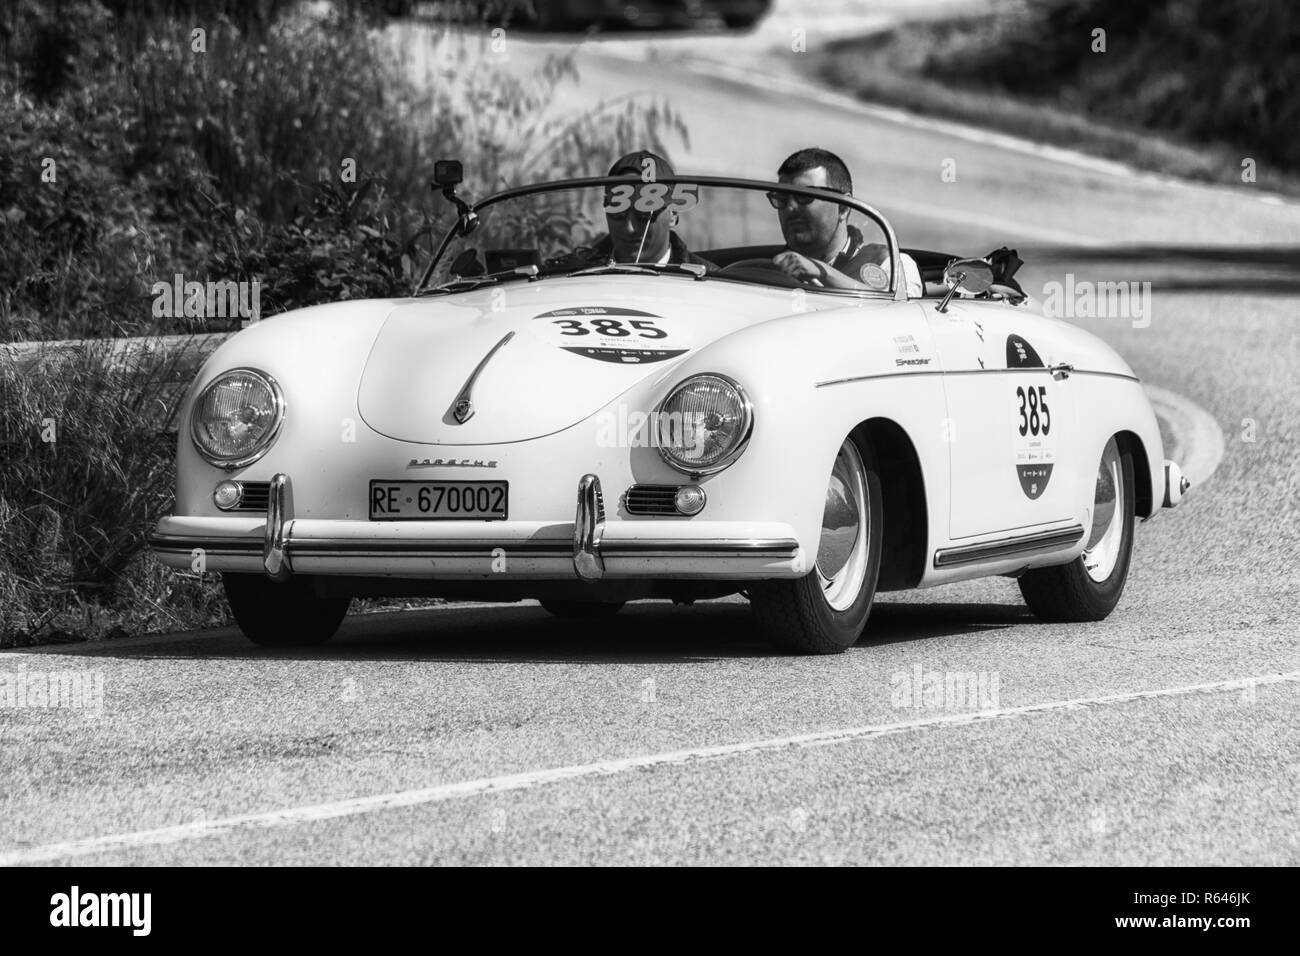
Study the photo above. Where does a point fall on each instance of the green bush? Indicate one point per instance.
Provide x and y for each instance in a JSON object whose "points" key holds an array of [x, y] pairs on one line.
{"points": [[229, 164]]}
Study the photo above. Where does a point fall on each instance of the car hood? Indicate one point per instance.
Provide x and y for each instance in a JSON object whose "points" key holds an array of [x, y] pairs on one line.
{"points": [[564, 348]]}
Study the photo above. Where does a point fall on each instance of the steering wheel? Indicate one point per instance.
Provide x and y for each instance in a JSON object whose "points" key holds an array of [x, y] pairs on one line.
{"points": [[760, 270]]}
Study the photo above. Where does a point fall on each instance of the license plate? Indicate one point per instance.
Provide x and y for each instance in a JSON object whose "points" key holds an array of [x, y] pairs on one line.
{"points": [[438, 500]]}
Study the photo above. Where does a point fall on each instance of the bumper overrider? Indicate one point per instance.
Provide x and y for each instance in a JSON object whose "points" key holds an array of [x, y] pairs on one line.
{"points": [[592, 549]]}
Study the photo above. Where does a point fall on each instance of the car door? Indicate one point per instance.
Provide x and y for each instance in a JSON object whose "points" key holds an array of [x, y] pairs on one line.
{"points": [[1008, 417]]}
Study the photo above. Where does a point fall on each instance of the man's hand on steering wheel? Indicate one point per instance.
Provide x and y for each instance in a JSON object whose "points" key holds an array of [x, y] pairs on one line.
{"points": [[801, 267]]}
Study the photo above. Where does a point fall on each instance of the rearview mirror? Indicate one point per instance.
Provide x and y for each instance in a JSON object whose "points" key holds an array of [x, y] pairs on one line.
{"points": [[967, 276]]}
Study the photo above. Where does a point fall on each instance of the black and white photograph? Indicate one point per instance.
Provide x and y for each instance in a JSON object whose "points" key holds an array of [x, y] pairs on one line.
{"points": [[651, 433]]}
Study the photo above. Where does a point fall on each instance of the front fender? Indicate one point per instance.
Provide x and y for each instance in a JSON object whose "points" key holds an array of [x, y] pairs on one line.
{"points": [[316, 356], [813, 378]]}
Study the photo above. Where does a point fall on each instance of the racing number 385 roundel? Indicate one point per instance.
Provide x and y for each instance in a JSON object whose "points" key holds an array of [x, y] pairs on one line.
{"points": [[1032, 441], [610, 334]]}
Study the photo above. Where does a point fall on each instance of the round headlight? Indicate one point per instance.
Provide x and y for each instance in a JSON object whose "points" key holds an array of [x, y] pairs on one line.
{"points": [[237, 417], [703, 424]]}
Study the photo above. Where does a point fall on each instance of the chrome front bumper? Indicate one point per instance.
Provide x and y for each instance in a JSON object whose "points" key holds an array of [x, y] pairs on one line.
{"points": [[592, 549]]}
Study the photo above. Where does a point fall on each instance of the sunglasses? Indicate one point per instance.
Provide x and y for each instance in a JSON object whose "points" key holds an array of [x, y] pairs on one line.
{"points": [[781, 200]]}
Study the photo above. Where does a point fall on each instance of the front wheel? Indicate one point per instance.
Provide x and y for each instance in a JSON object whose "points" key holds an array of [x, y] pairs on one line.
{"points": [[825, 611], [287, 614], [1088, 588]]}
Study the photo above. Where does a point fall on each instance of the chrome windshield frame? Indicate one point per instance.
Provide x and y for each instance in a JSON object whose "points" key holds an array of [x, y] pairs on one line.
{"points": [[897, 289]]}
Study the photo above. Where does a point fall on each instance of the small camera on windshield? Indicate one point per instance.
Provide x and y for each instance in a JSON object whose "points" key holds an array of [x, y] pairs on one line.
{"points": [[447, 172]]}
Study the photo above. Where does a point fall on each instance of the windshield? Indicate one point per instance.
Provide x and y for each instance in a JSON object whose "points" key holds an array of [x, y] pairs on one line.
{"points": [[698, 228]]}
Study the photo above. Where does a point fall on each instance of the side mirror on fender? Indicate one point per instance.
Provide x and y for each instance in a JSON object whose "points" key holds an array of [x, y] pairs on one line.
{"points": [[967, 276]]}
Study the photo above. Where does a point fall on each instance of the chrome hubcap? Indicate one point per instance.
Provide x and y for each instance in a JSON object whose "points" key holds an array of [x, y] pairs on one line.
{"points": [[846, 529], [1102, 550]]}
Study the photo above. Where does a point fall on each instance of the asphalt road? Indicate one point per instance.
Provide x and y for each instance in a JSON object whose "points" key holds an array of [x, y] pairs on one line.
{"points": [[471, 734]]}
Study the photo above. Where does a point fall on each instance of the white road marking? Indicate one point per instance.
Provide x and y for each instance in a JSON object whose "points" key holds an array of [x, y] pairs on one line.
{"points": [[1198, 440], [313, 813]]}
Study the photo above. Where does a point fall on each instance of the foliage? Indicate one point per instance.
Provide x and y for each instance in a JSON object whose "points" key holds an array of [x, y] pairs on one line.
{"points": [[88, 467], [1213, 71], [296, 151]]}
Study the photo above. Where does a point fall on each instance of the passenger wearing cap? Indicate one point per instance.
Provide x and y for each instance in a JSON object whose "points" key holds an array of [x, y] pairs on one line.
{"points": [[636, 236], [821, 246]]}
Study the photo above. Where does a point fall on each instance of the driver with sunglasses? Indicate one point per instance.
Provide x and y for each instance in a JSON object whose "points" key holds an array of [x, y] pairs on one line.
{"points": [[821, 246]]}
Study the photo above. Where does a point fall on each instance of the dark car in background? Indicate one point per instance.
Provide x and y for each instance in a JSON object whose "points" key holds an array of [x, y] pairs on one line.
{"points": [[583, 14], [580, 14]]}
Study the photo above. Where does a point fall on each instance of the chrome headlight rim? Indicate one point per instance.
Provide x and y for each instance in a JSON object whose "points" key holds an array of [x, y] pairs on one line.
{"points": [[727, 460], [264, 443]]}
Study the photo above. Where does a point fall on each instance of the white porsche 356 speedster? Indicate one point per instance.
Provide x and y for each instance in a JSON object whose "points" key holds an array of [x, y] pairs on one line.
{"points": [[550, 417]]}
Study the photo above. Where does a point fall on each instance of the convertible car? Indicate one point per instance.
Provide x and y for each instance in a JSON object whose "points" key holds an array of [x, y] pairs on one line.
{"points": [[548, 417]]}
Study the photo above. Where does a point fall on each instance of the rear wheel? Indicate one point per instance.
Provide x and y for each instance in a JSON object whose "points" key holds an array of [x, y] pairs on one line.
{"points": [[1089, 587], [583, 609], [287, 614], [825, 611]]}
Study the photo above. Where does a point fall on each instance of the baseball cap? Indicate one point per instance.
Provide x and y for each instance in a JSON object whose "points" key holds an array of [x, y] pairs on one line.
{"points": [[632, 163]]}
